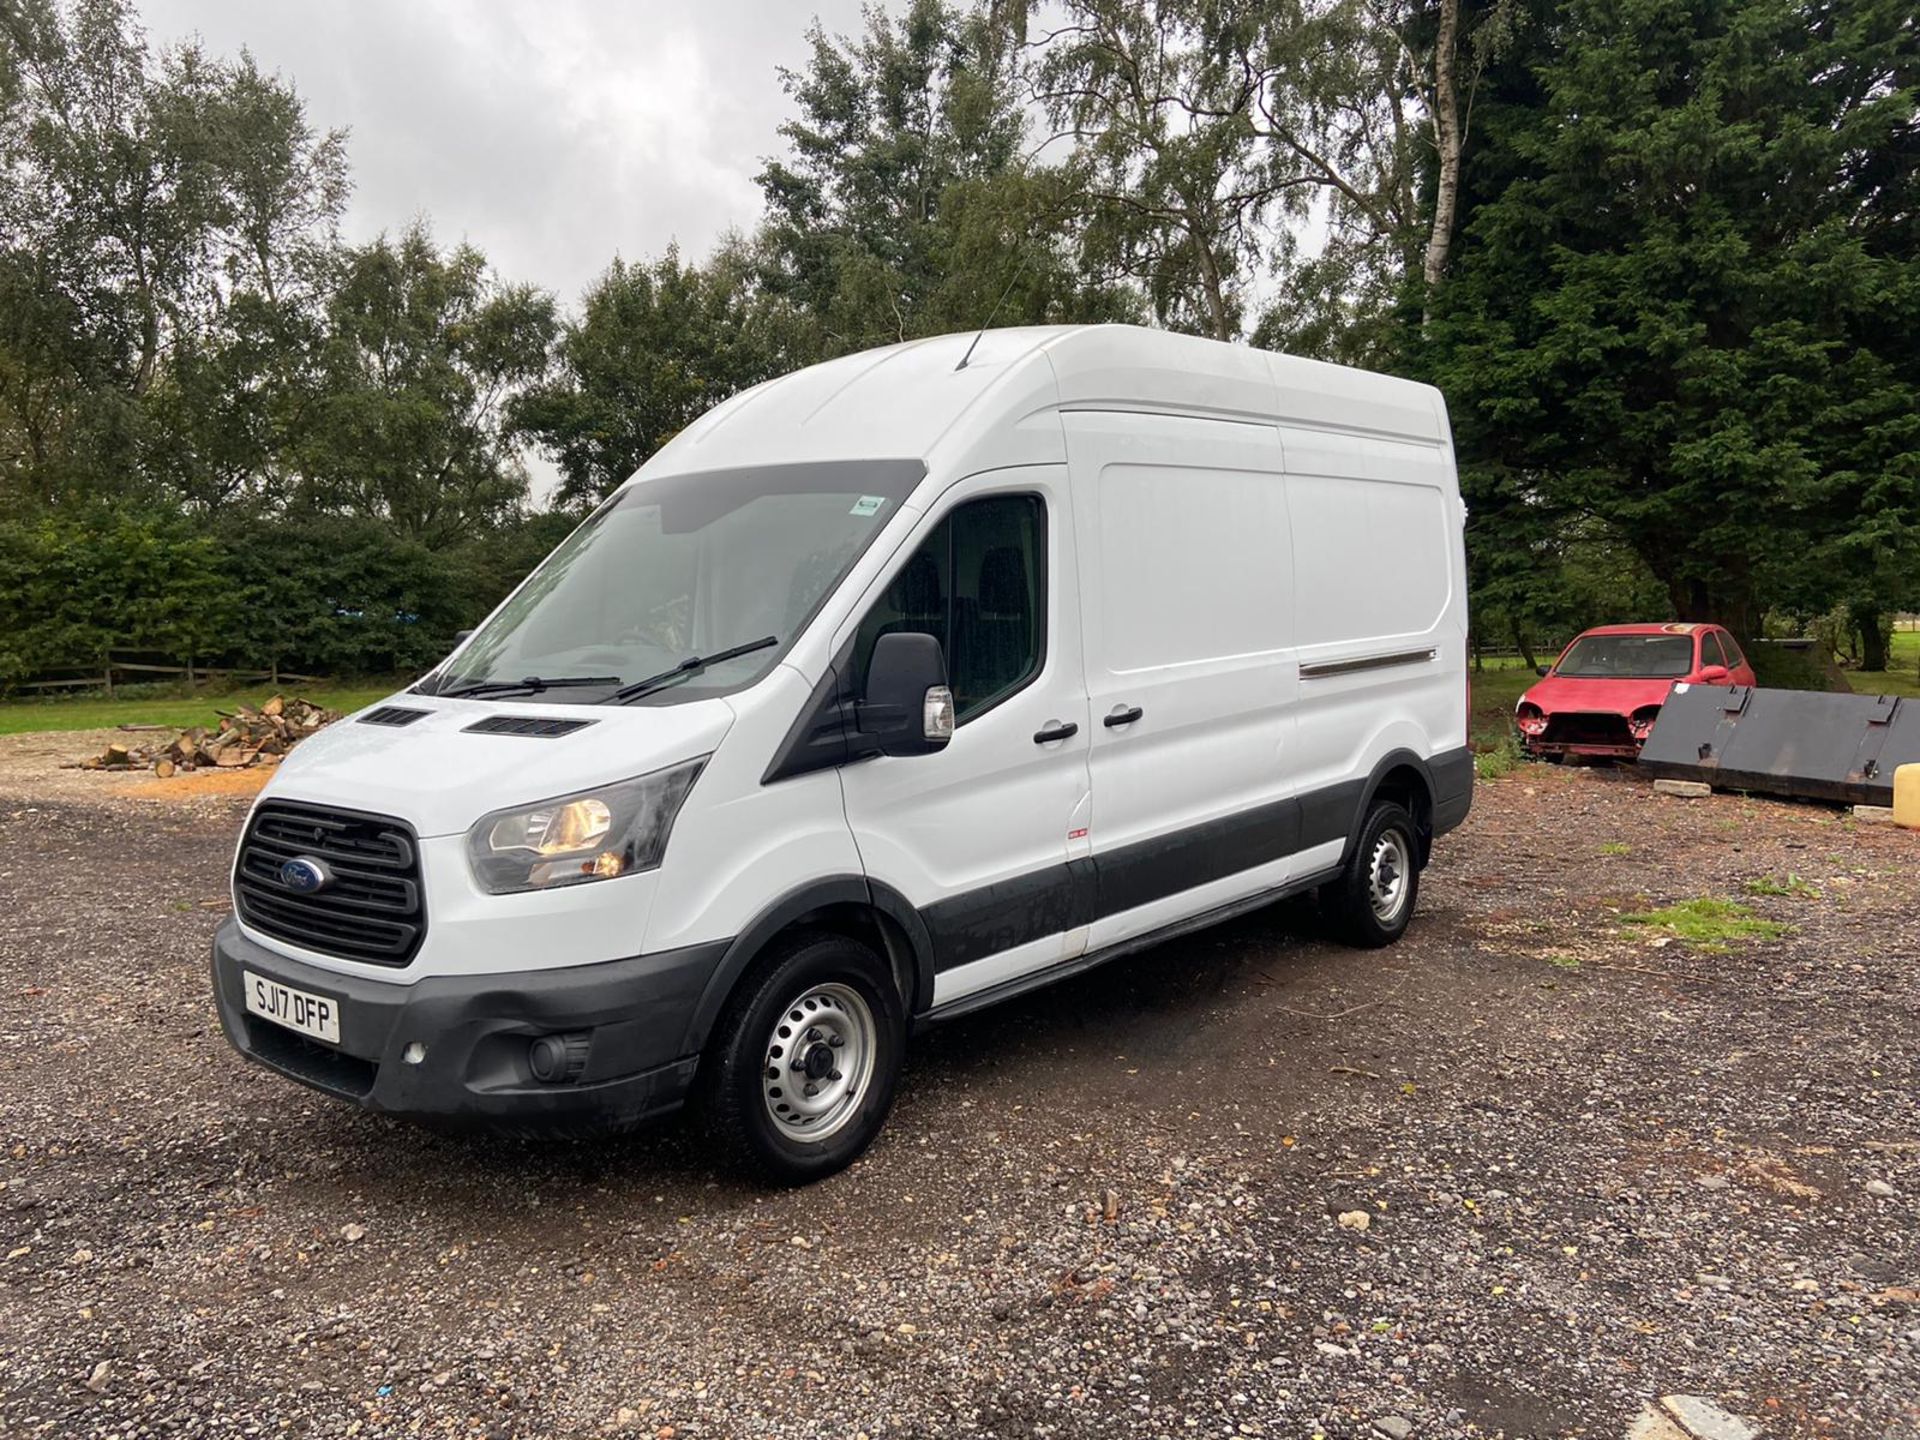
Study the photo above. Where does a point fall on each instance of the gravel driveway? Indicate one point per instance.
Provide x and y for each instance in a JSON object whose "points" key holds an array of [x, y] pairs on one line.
{"points": [[1593, 1165]]}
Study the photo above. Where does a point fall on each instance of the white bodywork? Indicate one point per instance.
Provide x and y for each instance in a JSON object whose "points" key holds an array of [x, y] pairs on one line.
{"points": [[1216, 518]]}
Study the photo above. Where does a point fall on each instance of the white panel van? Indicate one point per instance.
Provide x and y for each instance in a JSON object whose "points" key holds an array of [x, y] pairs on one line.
{"points": [[887, 690]]}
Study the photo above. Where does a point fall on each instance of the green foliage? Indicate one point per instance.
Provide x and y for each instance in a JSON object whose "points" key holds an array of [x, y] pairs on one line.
{"points": [[1498, 760], [312, 594], [1685, 294], [1708, 924], [1793, 885], [656, 345], [423, 353]]}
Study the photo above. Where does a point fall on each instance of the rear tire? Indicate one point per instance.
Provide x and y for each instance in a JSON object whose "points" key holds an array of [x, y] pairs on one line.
{"points": [[803, 1065], [1372, 901]]}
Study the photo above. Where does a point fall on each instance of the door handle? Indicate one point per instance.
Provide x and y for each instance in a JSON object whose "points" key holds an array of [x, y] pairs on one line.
{"points": [[1123, 717], [1055, 732]]}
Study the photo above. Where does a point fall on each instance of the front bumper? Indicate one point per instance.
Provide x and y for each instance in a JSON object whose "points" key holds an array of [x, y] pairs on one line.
{"points": [[1544, 749], [475, 1030]]}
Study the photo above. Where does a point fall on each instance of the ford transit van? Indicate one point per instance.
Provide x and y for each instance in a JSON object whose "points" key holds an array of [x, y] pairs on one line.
{"points": [[887, 690]]}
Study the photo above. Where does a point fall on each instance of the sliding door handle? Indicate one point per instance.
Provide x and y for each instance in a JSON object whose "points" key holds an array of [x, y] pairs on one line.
{"points": [[1124, 716], [1055, 732]]}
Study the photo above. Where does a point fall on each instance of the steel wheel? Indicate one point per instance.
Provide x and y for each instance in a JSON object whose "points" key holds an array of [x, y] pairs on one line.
{"points": [[1388, 869], [819, 1060]]}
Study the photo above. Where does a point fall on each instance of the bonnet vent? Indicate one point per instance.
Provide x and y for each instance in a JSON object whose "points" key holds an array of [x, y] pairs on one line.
{"points": [[534, 727], [392, 715]]}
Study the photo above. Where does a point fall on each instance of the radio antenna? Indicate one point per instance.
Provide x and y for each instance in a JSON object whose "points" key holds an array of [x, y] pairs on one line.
{"points": [[1020, 270]]}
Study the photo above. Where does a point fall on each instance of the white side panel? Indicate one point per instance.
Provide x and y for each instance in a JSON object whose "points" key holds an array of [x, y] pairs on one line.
{"points": [[738, 845], [1190, 621], [1378, 572]]}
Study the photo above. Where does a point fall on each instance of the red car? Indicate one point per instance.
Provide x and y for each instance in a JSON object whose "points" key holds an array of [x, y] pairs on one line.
{"points": [[1603, 694]]}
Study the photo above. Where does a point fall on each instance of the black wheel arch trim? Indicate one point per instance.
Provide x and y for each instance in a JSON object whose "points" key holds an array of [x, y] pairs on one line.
{"points": [[1384, 766], [776, 918]]}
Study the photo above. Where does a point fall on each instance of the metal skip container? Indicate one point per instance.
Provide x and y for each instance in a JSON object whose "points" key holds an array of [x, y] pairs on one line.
{"points": [[1804, 743]]}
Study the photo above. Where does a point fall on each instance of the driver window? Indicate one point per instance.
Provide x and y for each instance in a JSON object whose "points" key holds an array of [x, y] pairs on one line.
{"points": [[976, 585]]}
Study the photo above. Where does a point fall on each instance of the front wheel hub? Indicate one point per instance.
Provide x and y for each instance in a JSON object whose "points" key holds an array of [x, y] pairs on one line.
{"points": [[820, 1060]]}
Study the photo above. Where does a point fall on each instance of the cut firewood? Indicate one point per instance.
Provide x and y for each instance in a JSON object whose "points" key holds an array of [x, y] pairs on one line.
{"points": [[246, 736]]}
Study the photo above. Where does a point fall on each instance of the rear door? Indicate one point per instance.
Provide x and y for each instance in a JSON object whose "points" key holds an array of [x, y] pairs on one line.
{"points": [[1186, 578], [980, 837]]}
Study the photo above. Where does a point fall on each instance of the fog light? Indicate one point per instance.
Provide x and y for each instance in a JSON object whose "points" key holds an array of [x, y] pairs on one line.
{"points": [[557, 1059], [414, 1053]]}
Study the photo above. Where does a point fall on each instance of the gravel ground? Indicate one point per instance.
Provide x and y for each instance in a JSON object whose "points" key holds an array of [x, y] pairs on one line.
{"points": [[1595, 1166]]}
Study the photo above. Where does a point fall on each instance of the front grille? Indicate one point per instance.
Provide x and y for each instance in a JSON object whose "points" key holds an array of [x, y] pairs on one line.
{"points": [[370, 909], [319, 1065], [1587, 728]]}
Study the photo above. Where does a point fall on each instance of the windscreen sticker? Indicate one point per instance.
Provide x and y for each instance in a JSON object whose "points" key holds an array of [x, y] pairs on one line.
{"points": [[868, 505]]}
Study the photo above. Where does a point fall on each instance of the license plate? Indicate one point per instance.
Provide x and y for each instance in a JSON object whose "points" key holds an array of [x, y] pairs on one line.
{"points": [[313, 1015]]}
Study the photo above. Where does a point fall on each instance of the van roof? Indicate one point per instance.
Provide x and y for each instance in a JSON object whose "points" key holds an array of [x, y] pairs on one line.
{"points": [[912, 400]]}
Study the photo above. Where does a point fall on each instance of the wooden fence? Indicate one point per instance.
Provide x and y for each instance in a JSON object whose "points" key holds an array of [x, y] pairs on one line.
{"points": [[104, 677]]}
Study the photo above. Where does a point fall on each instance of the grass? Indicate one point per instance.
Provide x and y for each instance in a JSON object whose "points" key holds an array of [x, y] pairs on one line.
{"points": [[1496, 690], [1497, 760], [1709, 925], [1902, 675], [172, 706], [1616, 847], [1793, 885]]}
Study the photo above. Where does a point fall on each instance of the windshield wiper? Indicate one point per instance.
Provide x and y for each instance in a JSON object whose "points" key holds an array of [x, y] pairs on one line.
{"points": [[689, 666], [534, 683]]}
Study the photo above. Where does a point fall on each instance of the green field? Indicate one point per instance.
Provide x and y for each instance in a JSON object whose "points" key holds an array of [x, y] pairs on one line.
{"points": [[91, 712], [1902, 679]]}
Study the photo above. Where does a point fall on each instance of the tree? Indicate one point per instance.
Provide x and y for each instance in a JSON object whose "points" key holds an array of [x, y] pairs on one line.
{"points": [[1683, 298], [422, 356], [141, 199], [1161, 103], [904, 205], [656, 345], [887, 123]]}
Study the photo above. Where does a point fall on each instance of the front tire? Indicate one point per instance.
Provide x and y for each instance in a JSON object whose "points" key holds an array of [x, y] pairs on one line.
{"points": [[805, 1061], [1372, 901]]}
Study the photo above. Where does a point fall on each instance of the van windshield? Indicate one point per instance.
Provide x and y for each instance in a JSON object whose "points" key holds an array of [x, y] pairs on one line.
{"points": [[678, 567], [1627, 657]]}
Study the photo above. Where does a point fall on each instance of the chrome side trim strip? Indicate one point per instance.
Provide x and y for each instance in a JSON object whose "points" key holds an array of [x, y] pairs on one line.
{"points": [[1326, 668]]}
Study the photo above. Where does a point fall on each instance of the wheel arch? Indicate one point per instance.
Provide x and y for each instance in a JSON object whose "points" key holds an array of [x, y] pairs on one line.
{"points": [[874, 914], [1405, 778]]}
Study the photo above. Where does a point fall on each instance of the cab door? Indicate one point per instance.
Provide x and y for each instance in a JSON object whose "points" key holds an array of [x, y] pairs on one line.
{"points": [[987, 838]]}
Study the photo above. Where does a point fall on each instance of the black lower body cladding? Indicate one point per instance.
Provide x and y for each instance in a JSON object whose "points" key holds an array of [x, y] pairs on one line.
{"points": [[1451, 772], [473, 1069]]}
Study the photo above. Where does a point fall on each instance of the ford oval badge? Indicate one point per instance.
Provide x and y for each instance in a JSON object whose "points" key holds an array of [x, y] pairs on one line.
{"points": [[305, 874]]}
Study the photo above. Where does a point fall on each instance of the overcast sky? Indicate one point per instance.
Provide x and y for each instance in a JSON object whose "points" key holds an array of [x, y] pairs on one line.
{"points": [[550, 133]]}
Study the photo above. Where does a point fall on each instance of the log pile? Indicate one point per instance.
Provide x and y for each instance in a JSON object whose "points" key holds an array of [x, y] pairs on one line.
{"points": [[246, 736]]}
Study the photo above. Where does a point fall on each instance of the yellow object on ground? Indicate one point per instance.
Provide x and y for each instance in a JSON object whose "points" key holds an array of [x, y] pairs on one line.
{"points": [[1906, 796]]}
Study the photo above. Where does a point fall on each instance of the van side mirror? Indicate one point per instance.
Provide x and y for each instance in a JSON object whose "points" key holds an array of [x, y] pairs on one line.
{"points": [[1715, 675], [1543, 670], [460, 637], [908, 709]]}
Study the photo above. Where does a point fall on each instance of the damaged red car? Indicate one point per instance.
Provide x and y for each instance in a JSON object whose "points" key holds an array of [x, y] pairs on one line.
{"points": [[1601, 697]]}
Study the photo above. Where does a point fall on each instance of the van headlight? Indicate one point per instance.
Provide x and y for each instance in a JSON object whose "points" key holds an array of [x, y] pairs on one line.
{"points": [[593, 835]]}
